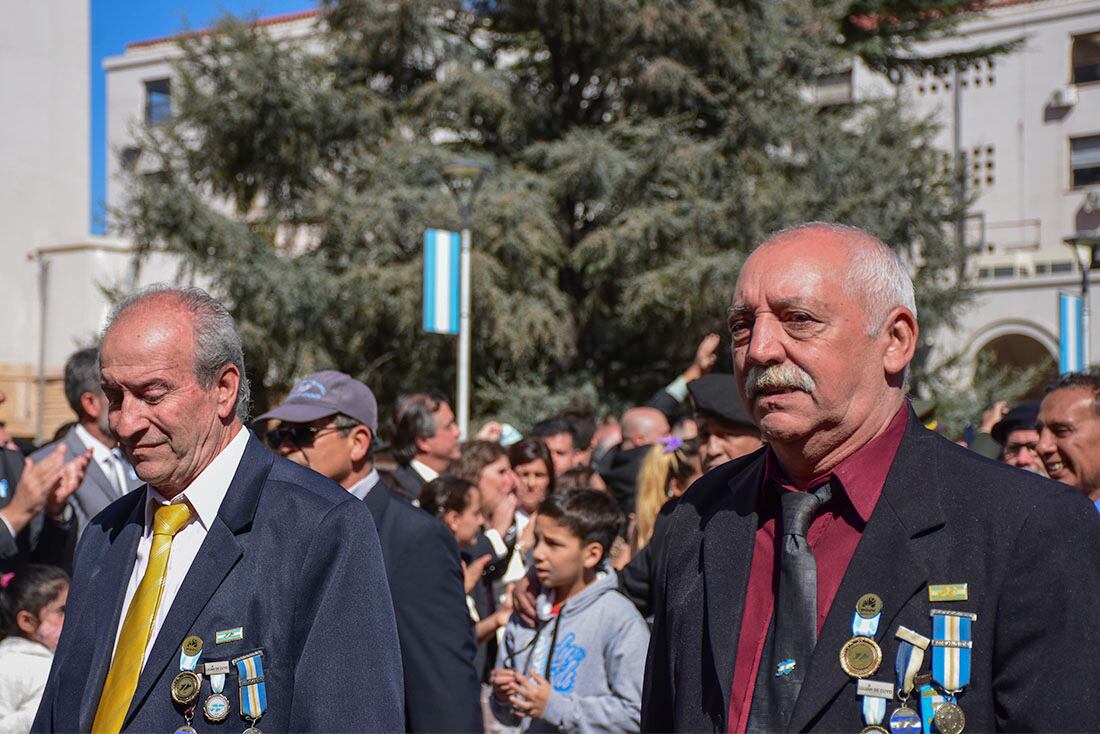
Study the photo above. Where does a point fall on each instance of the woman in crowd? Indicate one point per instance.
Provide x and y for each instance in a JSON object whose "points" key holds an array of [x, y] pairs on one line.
{"points": [[669, 468], [32, 612]]}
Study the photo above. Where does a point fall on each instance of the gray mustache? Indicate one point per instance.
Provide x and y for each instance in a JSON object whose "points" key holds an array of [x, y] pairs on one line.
{"points": [[778, 377]]}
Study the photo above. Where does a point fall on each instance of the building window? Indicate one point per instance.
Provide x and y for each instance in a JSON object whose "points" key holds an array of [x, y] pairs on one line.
{"points": [[1086, 58], [1084, 161], [158, 101]]}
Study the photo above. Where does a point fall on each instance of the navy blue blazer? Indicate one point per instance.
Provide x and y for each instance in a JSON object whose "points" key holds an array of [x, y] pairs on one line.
{"points": [[41, 541], [294, 561], [1028, 547], [442, 687]]}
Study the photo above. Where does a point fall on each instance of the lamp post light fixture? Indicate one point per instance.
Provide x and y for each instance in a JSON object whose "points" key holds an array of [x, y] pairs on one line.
{"points": [[464, 178], [1085, 246]]}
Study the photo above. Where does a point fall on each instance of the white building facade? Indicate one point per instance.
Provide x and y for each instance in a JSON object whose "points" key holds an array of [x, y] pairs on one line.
{"points": [[1028, 124]]}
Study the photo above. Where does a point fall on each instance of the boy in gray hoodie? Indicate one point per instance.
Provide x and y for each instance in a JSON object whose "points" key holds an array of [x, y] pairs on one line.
{"points": [[580, 668]]}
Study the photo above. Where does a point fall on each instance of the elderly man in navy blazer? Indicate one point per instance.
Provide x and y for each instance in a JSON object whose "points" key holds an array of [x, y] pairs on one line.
{"points": [[328, 423], [862, 572], [238, 590]]}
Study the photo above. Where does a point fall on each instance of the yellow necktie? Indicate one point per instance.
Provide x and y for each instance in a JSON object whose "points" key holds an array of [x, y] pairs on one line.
{"points": [[122, 678]]}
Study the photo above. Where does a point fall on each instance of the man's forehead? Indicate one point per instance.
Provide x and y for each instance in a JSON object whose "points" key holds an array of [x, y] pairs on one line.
{"points": [[1066, 403]]}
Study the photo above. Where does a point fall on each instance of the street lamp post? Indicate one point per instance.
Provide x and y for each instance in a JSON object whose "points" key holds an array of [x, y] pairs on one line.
{"points": [[1086, 261], [464, 178]]}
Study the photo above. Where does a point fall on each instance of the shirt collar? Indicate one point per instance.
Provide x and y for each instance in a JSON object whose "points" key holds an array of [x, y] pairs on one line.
{"points": [[862, 475], [100, 451], [206, 492], [363, 487], [425, 471]]}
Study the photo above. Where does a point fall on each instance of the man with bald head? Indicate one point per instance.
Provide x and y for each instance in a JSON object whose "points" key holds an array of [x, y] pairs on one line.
{"points": [[798, 577], [237, 588], [619, 467]]}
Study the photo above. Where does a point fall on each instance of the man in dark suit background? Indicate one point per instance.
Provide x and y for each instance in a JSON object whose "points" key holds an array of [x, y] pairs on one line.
{"points": [[231, 560], [425, 442], [109, 475], [328, 423], [854, 506]]}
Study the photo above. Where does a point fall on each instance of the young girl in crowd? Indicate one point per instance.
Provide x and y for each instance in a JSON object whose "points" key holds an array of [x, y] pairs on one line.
{"points": [[32, 611], [669, 468]]}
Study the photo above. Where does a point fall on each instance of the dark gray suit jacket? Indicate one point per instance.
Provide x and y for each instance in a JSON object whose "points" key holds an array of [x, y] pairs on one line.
{"points": [[42, 541], [294, 561], [96, 491], [1028, 548]]}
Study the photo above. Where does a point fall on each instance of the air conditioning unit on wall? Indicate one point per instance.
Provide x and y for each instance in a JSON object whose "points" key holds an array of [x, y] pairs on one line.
{"points": [[1064, 96]]}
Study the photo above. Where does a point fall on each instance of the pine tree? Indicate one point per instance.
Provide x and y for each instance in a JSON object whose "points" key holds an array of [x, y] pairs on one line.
{"points": [[639, 149]]}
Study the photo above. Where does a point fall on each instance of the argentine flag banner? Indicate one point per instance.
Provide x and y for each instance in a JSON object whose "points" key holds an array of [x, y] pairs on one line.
{"points": [[441, 250], [1070, 356]]}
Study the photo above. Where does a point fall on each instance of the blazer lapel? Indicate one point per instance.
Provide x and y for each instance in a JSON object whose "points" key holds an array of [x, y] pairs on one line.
{"points": [[219, 553], [108, 588], [727, 556], [884, 563]]}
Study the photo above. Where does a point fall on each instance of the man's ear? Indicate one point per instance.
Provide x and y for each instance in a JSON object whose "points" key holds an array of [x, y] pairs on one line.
{"points": [[591, 555], [91, 404], [901, 332], [361, 439], [229, 381]]}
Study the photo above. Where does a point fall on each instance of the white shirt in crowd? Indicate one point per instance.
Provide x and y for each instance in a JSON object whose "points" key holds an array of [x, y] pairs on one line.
{"points": [[426, 472], [362, 488], [24, 668], [205, 496], [109, 461]]}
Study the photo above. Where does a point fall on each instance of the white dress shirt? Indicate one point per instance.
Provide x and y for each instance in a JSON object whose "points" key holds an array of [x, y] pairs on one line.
{"points": [[205, 496], [109, 461], [363, 487], [426, 472]]}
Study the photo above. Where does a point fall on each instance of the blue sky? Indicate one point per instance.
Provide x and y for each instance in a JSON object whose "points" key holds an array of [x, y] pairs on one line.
{"points": [[118, 22]]}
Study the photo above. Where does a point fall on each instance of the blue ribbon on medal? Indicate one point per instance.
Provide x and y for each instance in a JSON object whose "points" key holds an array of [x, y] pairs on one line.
{"points": [[951, 644], [250, 678]]}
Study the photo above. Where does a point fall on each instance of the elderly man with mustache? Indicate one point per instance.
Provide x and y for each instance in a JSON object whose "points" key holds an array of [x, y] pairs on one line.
{"points": [[857, 543]]}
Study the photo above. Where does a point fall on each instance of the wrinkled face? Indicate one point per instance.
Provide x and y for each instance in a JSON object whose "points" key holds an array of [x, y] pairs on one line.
{"points": [[817, 374], [466, 524], [534, 480], [560, 556], [328, 452], [1069, 434], [1021, 450], [495, 483], [444, 444], [562, 452], [168, 425], [720, 441]]}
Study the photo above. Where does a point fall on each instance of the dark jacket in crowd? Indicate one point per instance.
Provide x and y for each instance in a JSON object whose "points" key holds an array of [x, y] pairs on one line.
{"points": [[640, 580], [41, 541], [442, 686], [619, 469], [405, 483], [1027, 548]]}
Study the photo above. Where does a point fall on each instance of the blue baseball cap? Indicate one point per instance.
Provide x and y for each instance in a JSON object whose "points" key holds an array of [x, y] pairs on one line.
{"points": [[326, 393]]}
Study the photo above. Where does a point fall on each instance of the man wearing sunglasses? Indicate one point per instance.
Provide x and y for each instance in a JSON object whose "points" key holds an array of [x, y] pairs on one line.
{"points": [[328, 423]]}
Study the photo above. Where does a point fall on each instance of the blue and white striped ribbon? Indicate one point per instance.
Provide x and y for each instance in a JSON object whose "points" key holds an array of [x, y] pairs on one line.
{"points": [[862, 627], [253, 695], [189, 662], [951, 663], [874, 710]]}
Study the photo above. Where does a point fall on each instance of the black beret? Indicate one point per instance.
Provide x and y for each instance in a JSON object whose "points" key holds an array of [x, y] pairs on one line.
{"points": [[1023, 415], [716, 394]]}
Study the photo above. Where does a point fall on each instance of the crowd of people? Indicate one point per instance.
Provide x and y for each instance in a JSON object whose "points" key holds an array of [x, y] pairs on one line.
{"points": [[692, 564]]}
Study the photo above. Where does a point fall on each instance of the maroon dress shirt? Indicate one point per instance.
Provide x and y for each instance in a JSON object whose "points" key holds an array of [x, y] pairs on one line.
{"points": [[833, 536]]}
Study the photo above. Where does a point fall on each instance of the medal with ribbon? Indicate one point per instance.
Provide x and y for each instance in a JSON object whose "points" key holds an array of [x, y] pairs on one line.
{"points": [[216, 706], [250, 678], [930, 702], [951, 645], [861, 656], [911, 649], [186, 684], [875, 694]]}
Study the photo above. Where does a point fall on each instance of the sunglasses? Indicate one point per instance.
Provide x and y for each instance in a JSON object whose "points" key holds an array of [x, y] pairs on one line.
{"points": [[299, 435]]}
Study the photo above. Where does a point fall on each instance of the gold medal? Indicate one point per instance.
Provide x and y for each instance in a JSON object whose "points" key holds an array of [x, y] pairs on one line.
{"points": [[868, 605], [860, 657], [949, 718], [192, 646], [185, 687]]}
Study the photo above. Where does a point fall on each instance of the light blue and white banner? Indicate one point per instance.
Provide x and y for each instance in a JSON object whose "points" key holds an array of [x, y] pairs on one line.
{"points": [[1070, 353], [441, 261]]}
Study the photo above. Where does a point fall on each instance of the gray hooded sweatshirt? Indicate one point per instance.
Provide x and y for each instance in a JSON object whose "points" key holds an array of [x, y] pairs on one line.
{"points": [[597, 665]]}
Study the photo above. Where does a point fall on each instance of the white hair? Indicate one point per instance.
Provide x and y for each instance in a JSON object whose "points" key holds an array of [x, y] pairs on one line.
{"points": [[876, 275]]}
